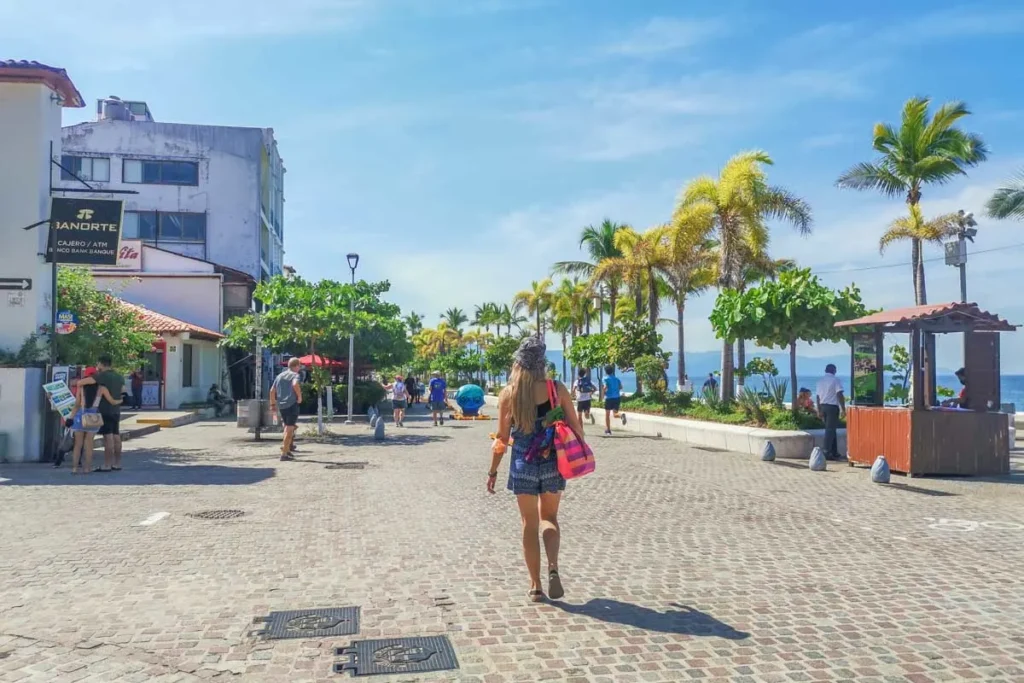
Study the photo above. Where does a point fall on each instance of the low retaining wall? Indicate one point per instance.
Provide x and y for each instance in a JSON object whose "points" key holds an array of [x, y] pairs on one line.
{"points": [[750, 440]]}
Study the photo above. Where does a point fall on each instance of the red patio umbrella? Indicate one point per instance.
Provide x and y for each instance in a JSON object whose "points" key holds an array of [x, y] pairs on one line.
{"points": [[310, 360]]}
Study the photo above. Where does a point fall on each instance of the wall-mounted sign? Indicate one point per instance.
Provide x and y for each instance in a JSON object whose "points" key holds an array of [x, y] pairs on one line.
{"points": [[60, 397], [867, 369], [129, 257], [67, 322], [86, 231]]}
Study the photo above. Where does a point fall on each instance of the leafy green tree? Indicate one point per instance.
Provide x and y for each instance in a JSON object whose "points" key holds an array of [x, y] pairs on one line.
{"points": [[498, 356], [590, 351], [650, 370], [777, 314], [899, 391], [631, 339], [105, 324], [924, 150]]}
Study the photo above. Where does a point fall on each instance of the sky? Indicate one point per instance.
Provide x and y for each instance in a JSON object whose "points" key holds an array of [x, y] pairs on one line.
{"points": [[459, 146]]}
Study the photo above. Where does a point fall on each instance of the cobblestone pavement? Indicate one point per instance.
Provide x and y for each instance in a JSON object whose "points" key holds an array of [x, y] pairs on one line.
{"points": [[679, 564]]}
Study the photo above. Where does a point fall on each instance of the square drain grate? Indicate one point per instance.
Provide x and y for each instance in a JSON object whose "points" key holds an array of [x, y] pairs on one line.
{"points": [[310, 623], [216, 514], [397, 656]]}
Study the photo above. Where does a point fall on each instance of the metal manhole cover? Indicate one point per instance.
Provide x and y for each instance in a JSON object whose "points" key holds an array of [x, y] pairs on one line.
{"points": [[397, 656], [310, 623], [346, 466], [216, 514], [711, 449]]}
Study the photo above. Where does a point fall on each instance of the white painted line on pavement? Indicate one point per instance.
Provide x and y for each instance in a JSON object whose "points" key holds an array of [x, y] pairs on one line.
{"points": [[154, 518]]}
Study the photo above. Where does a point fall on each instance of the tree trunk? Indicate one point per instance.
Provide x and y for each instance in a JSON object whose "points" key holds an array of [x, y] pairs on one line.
{"points": [[680, 347], [792, 375], [727, 374], [564, 380], [652, 299], [613, 297], [741, 361], [922, 294], [540, 332]]}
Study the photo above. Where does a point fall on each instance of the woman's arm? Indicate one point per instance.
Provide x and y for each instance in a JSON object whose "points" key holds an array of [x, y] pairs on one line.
{"points": [[501, 438], [104, 393], [565, 402]]}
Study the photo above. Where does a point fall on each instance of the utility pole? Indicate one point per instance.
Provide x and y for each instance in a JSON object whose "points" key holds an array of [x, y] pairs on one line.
{"points": [[353, 261], [956, 252]]}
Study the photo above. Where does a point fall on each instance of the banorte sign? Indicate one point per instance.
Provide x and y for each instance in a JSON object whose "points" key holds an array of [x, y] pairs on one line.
{"points": [[86, 231]]}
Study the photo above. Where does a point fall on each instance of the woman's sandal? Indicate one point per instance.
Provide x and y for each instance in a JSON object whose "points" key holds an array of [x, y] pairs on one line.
{"points": [[555, 589], [536, 595]]}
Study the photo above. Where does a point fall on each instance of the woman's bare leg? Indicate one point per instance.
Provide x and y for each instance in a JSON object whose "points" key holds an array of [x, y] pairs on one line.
{"points": [[529, 510], [76, 453], [88, 439], [549, 529]]}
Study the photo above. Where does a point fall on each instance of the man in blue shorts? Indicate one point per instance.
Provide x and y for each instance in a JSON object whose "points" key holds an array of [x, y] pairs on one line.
{"points": [[612, 398], [438, 397]]}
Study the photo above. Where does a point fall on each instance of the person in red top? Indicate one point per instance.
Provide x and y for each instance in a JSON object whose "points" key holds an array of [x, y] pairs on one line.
{"points": [[961, 400]]}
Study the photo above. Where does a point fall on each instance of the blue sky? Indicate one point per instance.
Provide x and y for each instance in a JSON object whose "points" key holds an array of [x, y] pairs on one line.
{"points": [[460, 145]]}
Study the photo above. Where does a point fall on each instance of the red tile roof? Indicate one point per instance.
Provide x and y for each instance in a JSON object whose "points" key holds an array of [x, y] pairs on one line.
{"points": [[158, 322], [970, 312], [35, 72]]}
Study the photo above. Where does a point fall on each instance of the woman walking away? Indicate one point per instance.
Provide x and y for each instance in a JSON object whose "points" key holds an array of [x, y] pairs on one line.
{"points": [[525, 409], [88, 394], [584, 391], [399, 399]]}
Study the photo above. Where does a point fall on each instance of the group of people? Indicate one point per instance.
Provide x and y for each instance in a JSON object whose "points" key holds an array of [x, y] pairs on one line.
{"points": [[98, 397], [583, 391], [403, 395]]}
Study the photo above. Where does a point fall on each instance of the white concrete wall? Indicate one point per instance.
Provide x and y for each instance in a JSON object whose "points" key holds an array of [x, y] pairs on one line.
{"points": [[208, 361], [229, 180], [159, 261], [29, 123], [22, 410], [196, 299]]}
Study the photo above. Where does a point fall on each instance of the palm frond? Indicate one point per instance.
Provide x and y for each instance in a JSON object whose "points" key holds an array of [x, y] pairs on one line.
{"points": [[579, 268], [1008, 202], [868, 176], [784, 205]]}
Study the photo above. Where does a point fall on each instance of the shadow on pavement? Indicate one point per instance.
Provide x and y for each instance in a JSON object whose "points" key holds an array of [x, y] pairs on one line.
{"points": [[685, 621], [151, 467]]}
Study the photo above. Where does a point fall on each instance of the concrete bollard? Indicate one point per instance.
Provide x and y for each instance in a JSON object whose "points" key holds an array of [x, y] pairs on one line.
{"points": [[768, 452], [817, 460], [880, 470], [378, 430]]}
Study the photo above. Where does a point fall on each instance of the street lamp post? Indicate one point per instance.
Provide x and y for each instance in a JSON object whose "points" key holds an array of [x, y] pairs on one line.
{"points": [[353, 261], [956, 252]]}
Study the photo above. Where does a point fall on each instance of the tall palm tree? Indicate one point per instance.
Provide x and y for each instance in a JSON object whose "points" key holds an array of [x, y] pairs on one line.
{"points": [[1008, 202], [433, 342], [642, 256], [536, 300], [924, 150], [915, 228], [688, 267], [599, 242], [414, 322], [455, 318], [741, 202]]}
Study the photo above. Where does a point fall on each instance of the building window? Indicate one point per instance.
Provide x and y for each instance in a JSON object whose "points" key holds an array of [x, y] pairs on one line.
{"points": [[161, 172], [161, 226], [187, 365], [86, 168]]}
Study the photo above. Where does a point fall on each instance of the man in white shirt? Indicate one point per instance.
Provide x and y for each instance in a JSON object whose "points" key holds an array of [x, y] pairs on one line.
{"points": [[831, 406]]}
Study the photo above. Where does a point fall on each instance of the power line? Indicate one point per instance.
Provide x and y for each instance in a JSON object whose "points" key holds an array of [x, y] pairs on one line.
{"points": [[927, 260]]}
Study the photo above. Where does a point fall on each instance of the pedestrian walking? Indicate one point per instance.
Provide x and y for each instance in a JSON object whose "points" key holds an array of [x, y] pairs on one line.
{"points": [[710, 383], [612, 398], [399, 399], [110, 411], [584, 393], [524, 411], [438, 397], [410, 388], [135, 379], [831, 407], [285, 398]]}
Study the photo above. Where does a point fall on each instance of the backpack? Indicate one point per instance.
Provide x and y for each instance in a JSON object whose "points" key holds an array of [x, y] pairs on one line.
{"points": [[586, 386]]}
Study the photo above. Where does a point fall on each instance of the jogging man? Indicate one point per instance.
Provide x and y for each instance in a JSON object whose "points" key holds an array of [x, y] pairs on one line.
{"points": [[438, 397], [612, 398], [285, 397], [110, 412], [584, 391]]}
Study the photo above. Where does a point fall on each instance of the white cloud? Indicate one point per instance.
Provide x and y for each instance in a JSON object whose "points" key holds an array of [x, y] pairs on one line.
{"points": [[663, 35]]}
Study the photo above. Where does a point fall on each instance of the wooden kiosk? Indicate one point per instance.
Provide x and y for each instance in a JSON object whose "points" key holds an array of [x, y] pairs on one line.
{"points": [[925, 438]]}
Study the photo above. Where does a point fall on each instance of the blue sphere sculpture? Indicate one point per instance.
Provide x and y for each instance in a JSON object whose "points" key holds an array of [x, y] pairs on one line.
{"points": [[470, 398]]}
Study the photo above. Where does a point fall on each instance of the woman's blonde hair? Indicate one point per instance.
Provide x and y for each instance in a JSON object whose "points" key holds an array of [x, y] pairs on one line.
{"points": [[520, 394]]}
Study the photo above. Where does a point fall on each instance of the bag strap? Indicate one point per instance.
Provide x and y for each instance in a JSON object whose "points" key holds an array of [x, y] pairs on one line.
{"points": [[552, 394]]}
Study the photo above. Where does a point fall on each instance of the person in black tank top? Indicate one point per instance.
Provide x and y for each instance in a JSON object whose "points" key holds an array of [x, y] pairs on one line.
{"points": [[86, 392], [533, 471]]}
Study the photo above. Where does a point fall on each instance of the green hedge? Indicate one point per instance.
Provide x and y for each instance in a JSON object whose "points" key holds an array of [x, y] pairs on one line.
{"points": [[366, 394]]}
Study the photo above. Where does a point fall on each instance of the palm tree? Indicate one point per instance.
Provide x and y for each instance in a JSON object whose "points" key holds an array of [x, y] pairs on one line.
{"points": [[455, 318], [688, 267], [414, 322], [1008, 202], [740, 201], [536, 300], [916, 228], [642, 256], [599, 243], [431, 343], [924, 150], [509, 316], [486, 315]]}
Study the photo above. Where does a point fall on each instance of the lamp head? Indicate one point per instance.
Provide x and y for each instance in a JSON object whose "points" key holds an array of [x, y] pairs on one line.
{"points": [[353, 261]]}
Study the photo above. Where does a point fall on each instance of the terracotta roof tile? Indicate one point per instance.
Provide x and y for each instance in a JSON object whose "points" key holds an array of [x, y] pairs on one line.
{"points": [[927, 311], [55, 77], [158, 322]]}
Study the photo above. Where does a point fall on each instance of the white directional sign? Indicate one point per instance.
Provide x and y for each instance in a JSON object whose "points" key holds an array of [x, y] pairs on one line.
{"points": [[19, 283]]}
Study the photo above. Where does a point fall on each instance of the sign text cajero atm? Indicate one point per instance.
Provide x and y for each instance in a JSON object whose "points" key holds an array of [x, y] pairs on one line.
{"points": [[86, 231]]}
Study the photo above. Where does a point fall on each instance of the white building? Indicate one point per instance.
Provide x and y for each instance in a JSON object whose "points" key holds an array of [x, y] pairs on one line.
{"points": [[211, 192]]}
